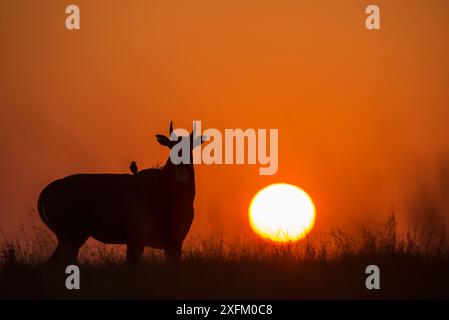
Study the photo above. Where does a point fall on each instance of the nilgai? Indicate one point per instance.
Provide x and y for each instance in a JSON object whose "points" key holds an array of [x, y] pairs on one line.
{"points": [[151, 208]]}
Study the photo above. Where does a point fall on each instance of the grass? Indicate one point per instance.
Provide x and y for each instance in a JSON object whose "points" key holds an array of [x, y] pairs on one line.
{"points": [[413, 265]]}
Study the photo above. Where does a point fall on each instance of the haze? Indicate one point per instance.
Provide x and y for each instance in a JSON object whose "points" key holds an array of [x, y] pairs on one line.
{"points": [[362, 115]]}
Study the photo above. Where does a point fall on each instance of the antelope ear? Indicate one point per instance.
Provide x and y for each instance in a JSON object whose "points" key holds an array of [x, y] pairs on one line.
{"points": [[163, 140], [198, 141]]}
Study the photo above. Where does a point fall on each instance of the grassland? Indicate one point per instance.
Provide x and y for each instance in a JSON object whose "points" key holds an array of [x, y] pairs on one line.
{"points": [[413, 265]]}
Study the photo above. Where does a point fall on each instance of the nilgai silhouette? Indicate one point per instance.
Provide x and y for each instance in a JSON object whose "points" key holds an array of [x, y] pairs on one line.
{"points": [[151, 208]]}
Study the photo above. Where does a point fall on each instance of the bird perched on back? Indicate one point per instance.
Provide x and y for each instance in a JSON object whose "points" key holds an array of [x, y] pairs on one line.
{"points": [[133, 167]]}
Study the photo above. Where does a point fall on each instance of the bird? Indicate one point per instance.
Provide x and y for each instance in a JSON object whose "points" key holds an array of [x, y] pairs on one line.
{"points": [[133, 167]]}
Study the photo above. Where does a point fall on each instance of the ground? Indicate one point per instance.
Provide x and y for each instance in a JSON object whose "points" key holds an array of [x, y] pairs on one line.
{"points": [[213, 269]]}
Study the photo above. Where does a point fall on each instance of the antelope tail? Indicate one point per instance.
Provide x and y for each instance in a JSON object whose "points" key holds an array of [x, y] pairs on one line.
{"points": [[41, 210]]}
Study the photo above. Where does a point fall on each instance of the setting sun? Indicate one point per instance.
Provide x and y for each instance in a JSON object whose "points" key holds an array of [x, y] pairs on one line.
{"points": [[282, 212]]}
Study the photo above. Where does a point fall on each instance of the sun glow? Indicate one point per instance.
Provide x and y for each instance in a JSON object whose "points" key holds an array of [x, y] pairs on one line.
{"points": [[281, 213]]}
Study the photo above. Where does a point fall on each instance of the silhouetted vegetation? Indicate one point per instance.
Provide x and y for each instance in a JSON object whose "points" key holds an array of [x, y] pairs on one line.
{"points": [[331, 266]]}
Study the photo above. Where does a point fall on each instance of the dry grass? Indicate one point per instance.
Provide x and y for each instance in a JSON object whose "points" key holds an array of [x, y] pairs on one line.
{"points": [[413, 265]]}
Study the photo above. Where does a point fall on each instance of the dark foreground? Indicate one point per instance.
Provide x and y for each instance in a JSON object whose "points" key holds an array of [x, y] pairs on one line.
{"points": [[412, 266], [402, 277]]}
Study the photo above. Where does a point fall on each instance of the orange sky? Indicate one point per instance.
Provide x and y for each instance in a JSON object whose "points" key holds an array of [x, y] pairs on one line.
{"points": [[361, 114]]}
